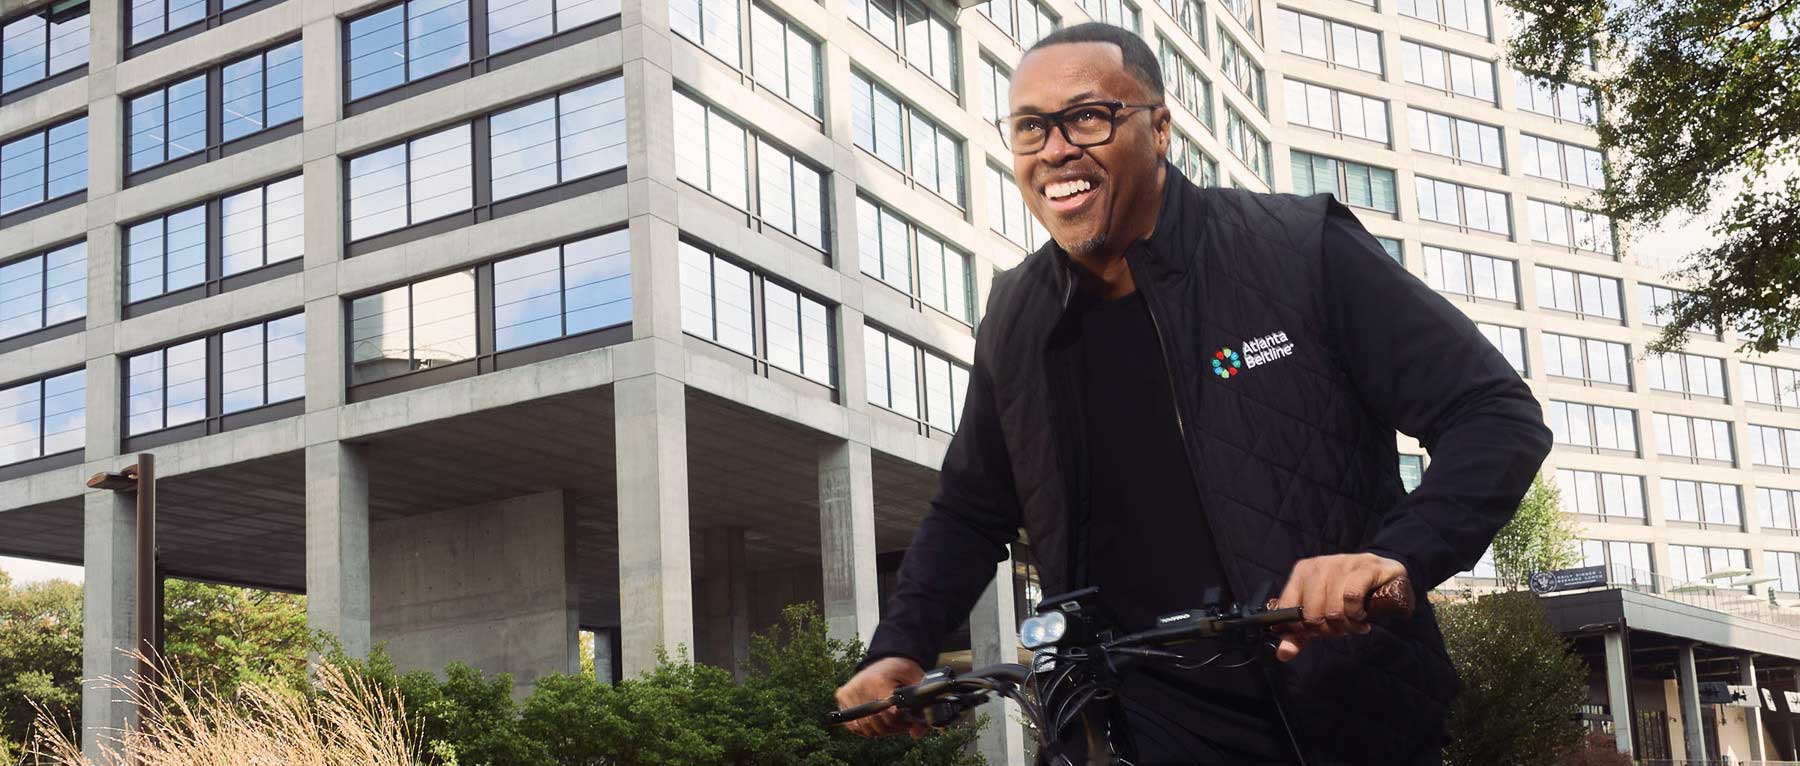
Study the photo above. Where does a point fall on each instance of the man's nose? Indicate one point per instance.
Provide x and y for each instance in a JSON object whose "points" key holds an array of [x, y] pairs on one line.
{"points": [[1057, 149]]}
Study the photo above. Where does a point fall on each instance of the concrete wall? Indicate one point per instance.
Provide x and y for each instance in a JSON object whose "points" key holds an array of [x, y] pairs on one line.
{"points": [[490, 585]]}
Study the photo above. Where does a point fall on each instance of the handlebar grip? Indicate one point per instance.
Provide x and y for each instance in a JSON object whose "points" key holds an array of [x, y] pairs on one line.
{"points": [[854, 712], [1395, 599]]}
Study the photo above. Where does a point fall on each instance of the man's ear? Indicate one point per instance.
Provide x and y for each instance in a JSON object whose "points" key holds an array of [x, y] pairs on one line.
{"points": [[1161, 119]]}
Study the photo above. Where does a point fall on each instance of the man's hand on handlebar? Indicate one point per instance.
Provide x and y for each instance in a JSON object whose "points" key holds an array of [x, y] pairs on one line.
{"points": [[1330, 590], [878, 681]]}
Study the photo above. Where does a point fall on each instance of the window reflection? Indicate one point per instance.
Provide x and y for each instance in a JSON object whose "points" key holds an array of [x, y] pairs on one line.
{"points": [[43, 417]]}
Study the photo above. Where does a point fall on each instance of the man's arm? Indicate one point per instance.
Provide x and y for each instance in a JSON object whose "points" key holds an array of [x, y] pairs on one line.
{"points": [[1422, 366], [973, 517]]}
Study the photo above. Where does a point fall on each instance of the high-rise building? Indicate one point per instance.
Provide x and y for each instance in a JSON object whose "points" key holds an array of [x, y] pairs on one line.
{"points": [[484, 321]]}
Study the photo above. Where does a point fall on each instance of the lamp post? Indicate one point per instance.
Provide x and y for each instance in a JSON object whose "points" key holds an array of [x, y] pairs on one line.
{"points": [[140, 478]]}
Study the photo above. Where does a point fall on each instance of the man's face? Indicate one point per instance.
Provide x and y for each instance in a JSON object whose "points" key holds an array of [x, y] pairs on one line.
{"points": [[1117, 175]]}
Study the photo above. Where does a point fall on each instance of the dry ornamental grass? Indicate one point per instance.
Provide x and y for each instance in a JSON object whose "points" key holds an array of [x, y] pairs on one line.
{"points": [[346, 721]]}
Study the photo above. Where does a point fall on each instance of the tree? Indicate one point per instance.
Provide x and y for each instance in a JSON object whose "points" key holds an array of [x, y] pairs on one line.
{"points": [[1699, 95], [1539, 538], [222, 636], [40, 656], [1521, 683]]}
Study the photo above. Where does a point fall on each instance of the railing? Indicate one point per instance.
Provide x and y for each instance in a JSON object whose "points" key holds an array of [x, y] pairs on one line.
{"points": [[1715, 762], [1737, 601]]}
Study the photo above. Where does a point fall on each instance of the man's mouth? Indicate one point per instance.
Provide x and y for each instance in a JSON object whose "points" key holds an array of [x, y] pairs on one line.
{"points": [[1068, 196]]}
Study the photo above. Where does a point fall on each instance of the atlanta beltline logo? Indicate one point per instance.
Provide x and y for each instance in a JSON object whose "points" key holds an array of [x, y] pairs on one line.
{"points": [[1268, 348]]}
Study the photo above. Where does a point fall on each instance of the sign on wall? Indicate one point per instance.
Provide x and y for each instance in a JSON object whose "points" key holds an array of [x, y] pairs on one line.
{"points": [[1568, 579]]}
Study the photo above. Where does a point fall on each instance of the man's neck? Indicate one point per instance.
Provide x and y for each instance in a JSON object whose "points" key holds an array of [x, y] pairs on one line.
{"points": [[1108, 263]]}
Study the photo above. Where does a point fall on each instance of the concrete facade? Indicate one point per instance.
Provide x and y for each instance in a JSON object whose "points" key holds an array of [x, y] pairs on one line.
{"points": [[661, 440]]}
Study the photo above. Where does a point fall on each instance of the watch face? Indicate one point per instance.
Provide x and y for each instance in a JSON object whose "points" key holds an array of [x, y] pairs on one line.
{"points": [[1540, 581]]}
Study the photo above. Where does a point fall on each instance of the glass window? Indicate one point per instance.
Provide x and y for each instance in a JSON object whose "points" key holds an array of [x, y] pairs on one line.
{"points": [[165, 387], [262, 225], [1185, 84], [1449, 136], [1690, 437], [263, 364], [1569, 101], [167, 123], [1595, 426], [1412, 471], [1702, 503], [425, 178], [1448, 71], [1459, 205], [1243, 71], [1023, 20], [1626, 563], [1317, 106], [43, 165], [1570, 227], [1586, 294], [261, 91], [153, 18], [1593, 493], [512, 23], [1007, 213], [791, 194], [902, 376], [165, 254], [1558, 161], [1780, 508], [785, 60], [33, 48], [43, 417], [1193, 161], [563, 290], [1767, 384], [406, 42], [1691, 563], [1471, 274], [558, 139], [720, 304], [43, 290], [1687, 374], [711, 24], [995, 81], [1327, 40], [1657, 304], [879, 122], [1245, 12], [1353, 183], [1509, 340], [1245, 143], [420, 326], [1587, 358], [886, 244], [1784, 565], [711, 151], [1467, 15]]}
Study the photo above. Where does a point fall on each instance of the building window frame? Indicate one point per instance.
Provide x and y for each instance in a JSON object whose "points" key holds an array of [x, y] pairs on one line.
{"points": [[1414, 55], [1509, 341], [1686, 442], [1423, 136], [212, 419], [886, 217], [1468, 277], [483, 207], [1600, 439], [760, 354], [50, 324], [911, 117], [49, 18], [216, 13], [47, 204], [1294, 26], [1462, 193], [1603, 496], [481, 58], [213, 143], [1598, 363], [757, 156], [64, 455], [1343, 186], [923, 403], [1609, 290], [214, 280], [484, 355]]}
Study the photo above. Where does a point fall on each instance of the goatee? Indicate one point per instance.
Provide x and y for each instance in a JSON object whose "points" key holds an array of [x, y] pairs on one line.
{"points": [[1085, 247]]}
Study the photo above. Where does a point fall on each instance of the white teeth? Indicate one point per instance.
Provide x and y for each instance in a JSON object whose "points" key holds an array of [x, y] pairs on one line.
{"points": [[1066, 188]]}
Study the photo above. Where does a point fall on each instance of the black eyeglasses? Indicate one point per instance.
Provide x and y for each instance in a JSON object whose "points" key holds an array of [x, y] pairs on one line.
{"points": [[1083, 125]]}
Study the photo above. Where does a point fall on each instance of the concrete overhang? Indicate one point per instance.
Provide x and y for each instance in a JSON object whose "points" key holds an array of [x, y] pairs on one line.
{"points": [[1577, 612]]}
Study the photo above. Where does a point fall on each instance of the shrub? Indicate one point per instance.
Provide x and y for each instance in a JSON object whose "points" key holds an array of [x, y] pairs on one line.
{"points": [[1521, 683]]}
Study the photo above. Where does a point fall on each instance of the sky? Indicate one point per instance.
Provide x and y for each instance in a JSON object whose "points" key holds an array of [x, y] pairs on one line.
{"points": [[28, 571]]}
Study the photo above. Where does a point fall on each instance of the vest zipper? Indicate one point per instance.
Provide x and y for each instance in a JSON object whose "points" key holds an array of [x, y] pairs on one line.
{"points": [[1181, 429]]}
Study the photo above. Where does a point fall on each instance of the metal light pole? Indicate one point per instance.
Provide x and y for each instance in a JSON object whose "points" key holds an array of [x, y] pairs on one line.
{"points": [[141, 479]]}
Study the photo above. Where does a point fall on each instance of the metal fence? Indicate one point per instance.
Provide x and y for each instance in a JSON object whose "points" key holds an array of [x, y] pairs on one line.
{"points": [[1720, 596]]}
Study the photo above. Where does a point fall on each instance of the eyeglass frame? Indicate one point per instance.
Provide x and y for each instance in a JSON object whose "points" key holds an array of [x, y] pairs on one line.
{"points": [[1058, 119]]}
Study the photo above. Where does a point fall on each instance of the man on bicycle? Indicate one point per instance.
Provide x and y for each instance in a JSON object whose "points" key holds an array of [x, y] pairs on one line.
{"points": [[1199, 387]]}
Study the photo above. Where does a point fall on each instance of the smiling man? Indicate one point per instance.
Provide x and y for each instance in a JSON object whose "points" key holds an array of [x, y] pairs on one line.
{"points": [[1193, 391]]}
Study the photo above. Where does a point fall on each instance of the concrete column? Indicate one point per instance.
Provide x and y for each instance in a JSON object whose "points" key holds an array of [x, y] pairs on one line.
{"points": [[656, 589], [492, 585], [994, 638], [603, 655], [337, 544], [847, 539], [1753, 716], [1618, 689], [109, 618], [1687, 686], [724, 628]]}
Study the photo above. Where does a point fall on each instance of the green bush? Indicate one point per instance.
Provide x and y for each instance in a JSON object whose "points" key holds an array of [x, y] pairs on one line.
{"points": [[678, 714], [1521, 683]]}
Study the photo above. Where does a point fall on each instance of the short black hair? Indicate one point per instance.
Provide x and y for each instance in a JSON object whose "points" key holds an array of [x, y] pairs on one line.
{"points": [[1140, 61]]}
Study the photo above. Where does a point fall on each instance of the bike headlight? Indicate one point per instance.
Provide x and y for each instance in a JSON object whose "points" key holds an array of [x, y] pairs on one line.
{"points": [[1043, 630]]}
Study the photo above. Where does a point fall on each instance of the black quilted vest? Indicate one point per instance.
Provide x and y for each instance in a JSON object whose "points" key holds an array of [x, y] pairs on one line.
{"points": [[1288, 463]]}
